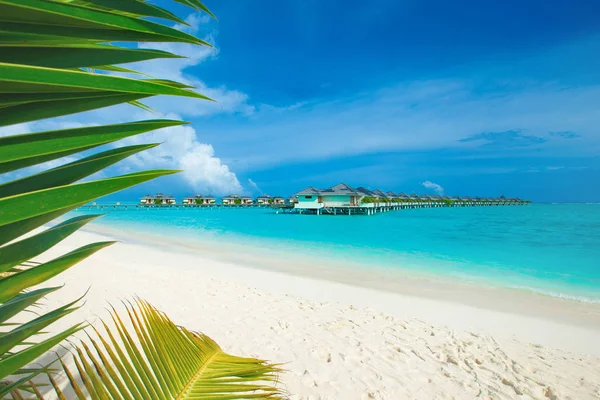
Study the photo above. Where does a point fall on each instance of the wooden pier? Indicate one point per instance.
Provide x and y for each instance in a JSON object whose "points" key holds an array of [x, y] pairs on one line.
{"points": [[364, 209], [141, 207], [372, 209]]}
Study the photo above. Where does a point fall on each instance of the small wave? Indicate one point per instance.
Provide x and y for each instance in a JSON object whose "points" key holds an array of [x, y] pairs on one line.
{"points": [[565, 296]]}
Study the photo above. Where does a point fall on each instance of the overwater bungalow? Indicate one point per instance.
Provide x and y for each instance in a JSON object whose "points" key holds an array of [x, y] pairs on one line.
{"points": [[147, 199], [340, 195], [369, 196], [381, 195], [264, 199], [415, 197], [308, 198], [403, 196], [199, 199], [366, 192], [267, 199], [236, 199], [157, 199], [398, 197]]}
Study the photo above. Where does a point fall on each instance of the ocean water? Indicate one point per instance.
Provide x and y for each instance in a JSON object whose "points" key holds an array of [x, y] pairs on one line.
{"points": [[548, 248]]}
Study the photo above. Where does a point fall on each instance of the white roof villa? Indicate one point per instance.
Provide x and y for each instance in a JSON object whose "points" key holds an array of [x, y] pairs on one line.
{"points": [[199, 199], [236, 199], [158, 198]]}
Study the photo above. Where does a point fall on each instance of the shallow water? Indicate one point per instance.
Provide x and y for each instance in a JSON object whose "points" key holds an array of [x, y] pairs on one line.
{"points": [[549, 248]]}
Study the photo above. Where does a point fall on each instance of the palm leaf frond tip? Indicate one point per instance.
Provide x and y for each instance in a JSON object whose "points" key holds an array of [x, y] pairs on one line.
{"points": [[147, 356]]}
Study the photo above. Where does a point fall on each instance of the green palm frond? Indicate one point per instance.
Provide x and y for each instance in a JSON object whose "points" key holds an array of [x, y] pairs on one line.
{"points": [[147, 356], [57, 58]]}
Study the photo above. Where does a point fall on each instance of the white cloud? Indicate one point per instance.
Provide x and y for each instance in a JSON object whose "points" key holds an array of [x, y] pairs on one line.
{"points": [[180, 149], [205, 172], [254, 185], [433, 186]]}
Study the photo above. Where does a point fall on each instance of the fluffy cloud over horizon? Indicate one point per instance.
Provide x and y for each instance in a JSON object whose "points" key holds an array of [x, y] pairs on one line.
{"points": [[433, 186], [180, 149]]}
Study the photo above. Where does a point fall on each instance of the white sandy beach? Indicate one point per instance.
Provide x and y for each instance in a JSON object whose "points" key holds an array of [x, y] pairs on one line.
{"points": [[344, 341]]}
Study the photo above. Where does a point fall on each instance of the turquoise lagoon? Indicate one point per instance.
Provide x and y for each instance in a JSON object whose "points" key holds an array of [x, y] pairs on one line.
{"points": [[547, 248]]}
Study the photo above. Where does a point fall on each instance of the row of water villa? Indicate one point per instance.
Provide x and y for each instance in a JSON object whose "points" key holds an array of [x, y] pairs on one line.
{"points": [[207, 200], [340, 199], [346, 200]]}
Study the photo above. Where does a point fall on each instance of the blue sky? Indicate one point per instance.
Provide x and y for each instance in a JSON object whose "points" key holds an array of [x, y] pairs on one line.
{"points": [[479, 97]]}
